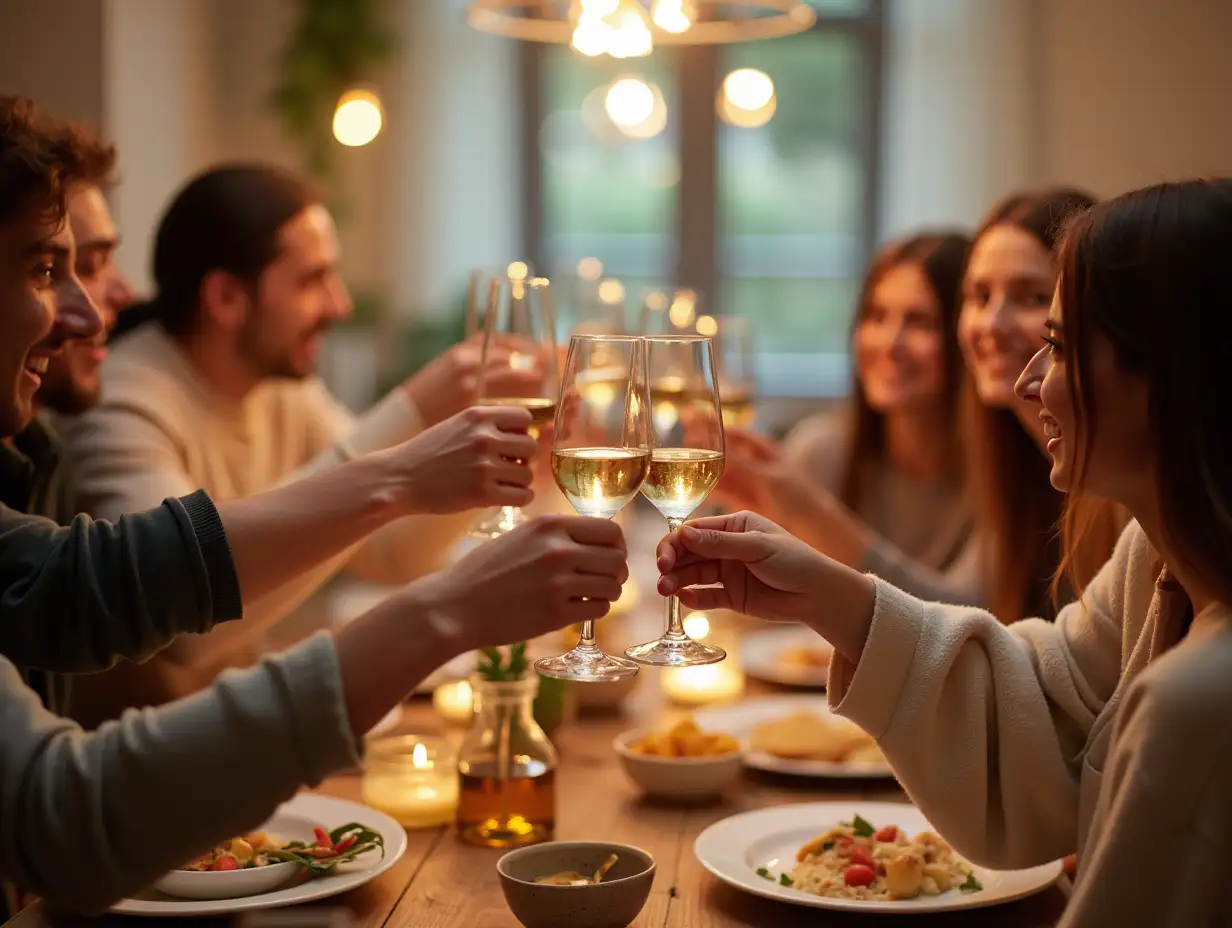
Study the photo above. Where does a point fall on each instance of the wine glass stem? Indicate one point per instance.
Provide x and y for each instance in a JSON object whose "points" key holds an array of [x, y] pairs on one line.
{"points": [[675, 628], [587, 641]]}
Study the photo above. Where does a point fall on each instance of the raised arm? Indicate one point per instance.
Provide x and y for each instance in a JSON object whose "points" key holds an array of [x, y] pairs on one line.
{"points": [[76, 598], [86, 816], [984, 724]]}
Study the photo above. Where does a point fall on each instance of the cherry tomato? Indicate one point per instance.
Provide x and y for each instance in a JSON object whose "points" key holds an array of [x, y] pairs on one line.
{"points": [[889, 833], [323, 838], [862, 856], [225, 863], [859, 875]]}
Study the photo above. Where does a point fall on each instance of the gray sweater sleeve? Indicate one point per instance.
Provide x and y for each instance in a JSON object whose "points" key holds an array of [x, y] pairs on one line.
{"points": [[74, 599], [962, 583], [86, 819]]}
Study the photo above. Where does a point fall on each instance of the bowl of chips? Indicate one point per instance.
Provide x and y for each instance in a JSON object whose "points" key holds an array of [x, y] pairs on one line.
{"points": [[681, 762]]}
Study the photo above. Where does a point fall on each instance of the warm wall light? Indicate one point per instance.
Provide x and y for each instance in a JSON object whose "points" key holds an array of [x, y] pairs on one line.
{"points": [[357, 120]]}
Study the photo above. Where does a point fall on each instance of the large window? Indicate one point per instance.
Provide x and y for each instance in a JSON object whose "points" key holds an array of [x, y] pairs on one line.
{"points": [[652, 167]]}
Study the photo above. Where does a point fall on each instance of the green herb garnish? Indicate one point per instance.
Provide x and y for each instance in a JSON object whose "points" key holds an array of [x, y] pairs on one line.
{"points": [[827, 845], [862, 828], [494, 669], [972, 885], [785, 880], [296, 851], [764, 873]]}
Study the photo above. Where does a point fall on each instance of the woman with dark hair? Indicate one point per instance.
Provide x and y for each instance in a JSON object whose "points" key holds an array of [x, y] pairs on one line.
{"points": [[1007, 289], [878, 483], [1108, 731]]}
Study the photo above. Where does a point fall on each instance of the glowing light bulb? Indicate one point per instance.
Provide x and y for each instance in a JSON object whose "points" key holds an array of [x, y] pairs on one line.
{"points": [[674, 16], [591, 36], [629, 102], [697, 626], [599, 7], [630, 36], [357, 120], [748, 89], [611, 291], [706, 325], [517, 270], [590, 269]]}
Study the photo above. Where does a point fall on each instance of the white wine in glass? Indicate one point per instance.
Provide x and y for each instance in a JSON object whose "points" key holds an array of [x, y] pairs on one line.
{"points": [[685, 465], [734, 361], [517, 326], [600, 458]]}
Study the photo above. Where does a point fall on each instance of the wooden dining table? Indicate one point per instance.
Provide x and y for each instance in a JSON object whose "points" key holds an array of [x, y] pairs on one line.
{"points": [[441, 882]]}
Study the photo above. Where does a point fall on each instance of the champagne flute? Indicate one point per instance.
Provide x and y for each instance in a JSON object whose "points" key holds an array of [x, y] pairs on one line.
{"points": [[600, 455], [478, 285], [518, 321], [733, 345], [685, 465]]}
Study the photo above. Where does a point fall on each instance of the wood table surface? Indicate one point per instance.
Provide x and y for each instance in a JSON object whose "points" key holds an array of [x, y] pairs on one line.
{"points": [[443, 883]]}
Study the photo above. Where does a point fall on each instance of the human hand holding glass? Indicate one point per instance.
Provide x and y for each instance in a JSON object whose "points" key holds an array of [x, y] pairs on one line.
{"points": [[600, 455]]}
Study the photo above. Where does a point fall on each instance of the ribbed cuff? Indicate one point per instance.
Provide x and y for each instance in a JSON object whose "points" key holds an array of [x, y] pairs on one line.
{"points": [[226, 602]]}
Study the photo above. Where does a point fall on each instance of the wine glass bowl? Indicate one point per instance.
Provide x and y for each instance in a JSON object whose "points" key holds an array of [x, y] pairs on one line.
{"points": [[600, 458], [686, 462]]}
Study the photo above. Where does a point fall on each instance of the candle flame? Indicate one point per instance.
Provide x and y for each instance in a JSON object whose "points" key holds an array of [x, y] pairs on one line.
{"points": [[419, 756]]}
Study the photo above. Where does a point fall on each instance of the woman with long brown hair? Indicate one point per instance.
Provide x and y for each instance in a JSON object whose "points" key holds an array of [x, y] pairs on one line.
{"points": [[1107, 732], [1007, 289], [878, 482]]}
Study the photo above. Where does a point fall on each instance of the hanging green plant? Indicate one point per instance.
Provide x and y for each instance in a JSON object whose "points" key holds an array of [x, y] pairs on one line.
{"points": [[336, 44]]}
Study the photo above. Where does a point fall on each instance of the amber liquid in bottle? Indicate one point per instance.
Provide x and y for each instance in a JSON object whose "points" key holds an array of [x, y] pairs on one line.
{"points": [[507, 812]]}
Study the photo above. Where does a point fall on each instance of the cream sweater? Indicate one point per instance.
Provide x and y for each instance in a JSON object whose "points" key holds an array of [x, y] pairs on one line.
{"points": [[1105, 733], [161, 432]]}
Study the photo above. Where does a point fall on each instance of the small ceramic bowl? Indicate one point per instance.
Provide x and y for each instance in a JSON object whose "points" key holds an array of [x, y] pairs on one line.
{"points": [[677, 777], [226, 884], [613, 903]]}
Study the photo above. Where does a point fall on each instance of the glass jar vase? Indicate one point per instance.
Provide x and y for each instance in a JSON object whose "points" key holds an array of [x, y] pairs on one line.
{"points": [[506, 768]]}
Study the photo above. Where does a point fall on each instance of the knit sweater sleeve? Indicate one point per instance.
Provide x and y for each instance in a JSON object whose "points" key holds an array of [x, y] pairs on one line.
{"points": [[86, 819], [74, 599], [984, 723]]}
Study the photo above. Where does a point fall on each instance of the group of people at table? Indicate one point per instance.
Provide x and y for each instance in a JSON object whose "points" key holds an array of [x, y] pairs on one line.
{"points": [[1039, 691]]}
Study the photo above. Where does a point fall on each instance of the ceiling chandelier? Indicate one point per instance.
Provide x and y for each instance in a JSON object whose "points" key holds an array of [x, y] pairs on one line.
{"points": [[632, 28]]}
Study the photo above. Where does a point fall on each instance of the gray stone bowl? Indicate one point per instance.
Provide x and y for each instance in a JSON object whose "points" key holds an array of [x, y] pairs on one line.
{"points": [[614, 903]]}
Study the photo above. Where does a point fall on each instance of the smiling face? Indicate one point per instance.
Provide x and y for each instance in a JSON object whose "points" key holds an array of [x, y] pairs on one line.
{"points": [[72, 382], [1006, 294], [1108, 447], [42, 308], [899, 345], [299, 296]]}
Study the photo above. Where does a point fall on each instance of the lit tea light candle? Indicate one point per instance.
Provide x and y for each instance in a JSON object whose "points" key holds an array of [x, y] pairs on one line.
{"points": [[454, 701], [698, 686], [413, 780]]}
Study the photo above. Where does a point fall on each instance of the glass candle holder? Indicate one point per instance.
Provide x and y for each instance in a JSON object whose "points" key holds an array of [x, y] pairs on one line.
{"points": [[411, 778]]}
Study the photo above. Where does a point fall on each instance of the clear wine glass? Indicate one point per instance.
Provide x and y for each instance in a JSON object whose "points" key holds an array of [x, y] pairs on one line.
{"points": [[733, 355], [518, 324], [600, 455], [686, 462], [479, 286]]}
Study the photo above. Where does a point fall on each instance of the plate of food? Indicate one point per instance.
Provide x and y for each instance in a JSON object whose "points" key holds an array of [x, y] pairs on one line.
{"points": [[312, 847], [800, 736], [792, 655], [881, 857]]}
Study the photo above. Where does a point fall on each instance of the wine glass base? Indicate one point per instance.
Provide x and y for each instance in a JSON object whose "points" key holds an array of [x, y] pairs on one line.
{"points": [[586, 667], [497, 522], [675, 652]]}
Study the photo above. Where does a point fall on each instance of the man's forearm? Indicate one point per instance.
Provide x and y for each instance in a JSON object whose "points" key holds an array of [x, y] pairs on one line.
{"points": [[278, 535]]}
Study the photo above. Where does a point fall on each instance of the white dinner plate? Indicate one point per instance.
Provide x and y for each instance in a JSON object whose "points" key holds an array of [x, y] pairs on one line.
{"points": [[292, 821], [740, 718], [734, 848], [759, 652]]}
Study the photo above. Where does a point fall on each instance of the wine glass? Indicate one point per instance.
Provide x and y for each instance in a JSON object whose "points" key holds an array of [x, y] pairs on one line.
{"points": [[733, 354], [518, 322], [686, 462], [600, 455], [479, 284]]}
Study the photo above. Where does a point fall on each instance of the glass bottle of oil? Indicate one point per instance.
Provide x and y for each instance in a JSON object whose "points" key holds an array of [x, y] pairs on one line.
{"points": [[506, 768]]}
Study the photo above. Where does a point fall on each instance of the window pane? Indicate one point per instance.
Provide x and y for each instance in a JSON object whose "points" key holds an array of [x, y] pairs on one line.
{"points": [[609, 193], [791, 193]]}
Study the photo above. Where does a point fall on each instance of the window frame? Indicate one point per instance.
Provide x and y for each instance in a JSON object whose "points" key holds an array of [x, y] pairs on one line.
{"points": [[697, 198]]}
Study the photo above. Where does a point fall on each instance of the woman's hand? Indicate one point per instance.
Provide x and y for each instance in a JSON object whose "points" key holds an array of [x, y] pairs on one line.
{"points": [[765, 572], [476, 459], [550, 572]]}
